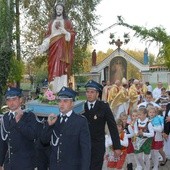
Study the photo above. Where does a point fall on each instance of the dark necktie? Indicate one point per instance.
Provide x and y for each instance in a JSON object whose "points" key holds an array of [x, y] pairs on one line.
{"points": [[64, 117], [11, 119], [91, 106], [11, 116]]}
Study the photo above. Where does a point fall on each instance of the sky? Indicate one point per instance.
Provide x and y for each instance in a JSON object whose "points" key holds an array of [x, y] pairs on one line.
{"points": [[147, 13]]}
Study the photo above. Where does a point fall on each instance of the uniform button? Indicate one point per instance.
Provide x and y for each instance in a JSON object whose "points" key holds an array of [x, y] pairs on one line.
{"points": [[58, 161], [60, 143], [11, 153], [60, 134]]}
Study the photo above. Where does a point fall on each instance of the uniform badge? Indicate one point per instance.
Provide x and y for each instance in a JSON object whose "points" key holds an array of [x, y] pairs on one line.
{"points": [[95, 117]]}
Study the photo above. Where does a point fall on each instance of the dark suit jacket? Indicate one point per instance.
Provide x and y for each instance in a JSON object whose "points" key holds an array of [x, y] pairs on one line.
{"points": [[167, 124], [97, 119], [72, 151], [19, 143]]}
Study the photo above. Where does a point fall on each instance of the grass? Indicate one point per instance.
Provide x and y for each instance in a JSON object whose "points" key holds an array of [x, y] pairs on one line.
{"points": [[81, 97]]}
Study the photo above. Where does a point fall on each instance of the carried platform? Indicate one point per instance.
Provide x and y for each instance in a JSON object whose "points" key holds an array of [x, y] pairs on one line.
{"points": [[42, 109]]}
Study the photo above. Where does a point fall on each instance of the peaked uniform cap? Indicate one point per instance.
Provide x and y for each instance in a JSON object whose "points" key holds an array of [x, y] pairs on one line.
{"points": [[66, 93], [12, 92], [94, 85]]}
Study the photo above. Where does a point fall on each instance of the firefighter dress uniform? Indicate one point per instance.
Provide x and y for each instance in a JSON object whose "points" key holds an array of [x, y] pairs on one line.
{"points": [[97, 118], [17, 138], [70, 139]]}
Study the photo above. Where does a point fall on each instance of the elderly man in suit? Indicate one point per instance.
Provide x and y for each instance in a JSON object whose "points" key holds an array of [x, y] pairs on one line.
{"points": [[98, 113], [69, 135], [18, 133]]}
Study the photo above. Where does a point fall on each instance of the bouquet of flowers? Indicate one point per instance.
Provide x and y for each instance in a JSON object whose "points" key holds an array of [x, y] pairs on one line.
{"points": [[48, 97]]}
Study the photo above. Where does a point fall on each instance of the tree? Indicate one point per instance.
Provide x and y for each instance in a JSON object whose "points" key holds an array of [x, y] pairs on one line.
{"points": [[133, 71], [16, 70], [156, 34], [6, 52]]}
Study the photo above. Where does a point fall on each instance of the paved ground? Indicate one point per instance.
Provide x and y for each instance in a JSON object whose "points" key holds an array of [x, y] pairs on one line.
{"points": [[165, 167]]}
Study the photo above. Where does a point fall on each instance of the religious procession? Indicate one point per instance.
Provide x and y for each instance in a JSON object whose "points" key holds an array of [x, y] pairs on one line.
{"points": [[120, 125], [142, 117], [127, 127]]}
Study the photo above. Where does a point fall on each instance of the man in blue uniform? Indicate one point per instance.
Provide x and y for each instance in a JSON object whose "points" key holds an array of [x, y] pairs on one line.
{"points": [[18, 133], [69, 135], [98, 113]]}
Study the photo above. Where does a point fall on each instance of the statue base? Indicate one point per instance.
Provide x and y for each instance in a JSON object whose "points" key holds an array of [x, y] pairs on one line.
{"points": [[41, 109]]}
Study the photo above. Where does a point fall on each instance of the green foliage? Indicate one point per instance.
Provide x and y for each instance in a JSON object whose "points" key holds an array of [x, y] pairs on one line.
{"points": [[16, 71], [79, 62], [37, 67], [82, 97], [156, 34], [81, 79], [101, 55], [41, 74], [132, 71], [6, 52]]}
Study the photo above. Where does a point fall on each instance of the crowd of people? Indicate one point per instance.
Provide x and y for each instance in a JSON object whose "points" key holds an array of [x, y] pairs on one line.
{"points": [[142, 117], [125, 127]]}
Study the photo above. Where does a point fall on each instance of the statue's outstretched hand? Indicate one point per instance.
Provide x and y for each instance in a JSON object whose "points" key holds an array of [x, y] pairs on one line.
{"points": [[44, 46]]}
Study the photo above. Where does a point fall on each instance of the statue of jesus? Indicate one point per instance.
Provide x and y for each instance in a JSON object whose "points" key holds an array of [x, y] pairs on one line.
{"points": [[59, 43]]}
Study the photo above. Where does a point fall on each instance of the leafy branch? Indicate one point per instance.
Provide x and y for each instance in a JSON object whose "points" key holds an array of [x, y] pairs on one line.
{"points": [[156, 34]]}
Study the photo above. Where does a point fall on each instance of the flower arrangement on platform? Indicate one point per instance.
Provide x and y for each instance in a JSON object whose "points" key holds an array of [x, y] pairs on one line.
{"points": [[48, 97]]}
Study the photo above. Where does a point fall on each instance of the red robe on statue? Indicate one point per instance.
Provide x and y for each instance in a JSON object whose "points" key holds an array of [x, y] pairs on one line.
{"points": [[60, 54]]}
